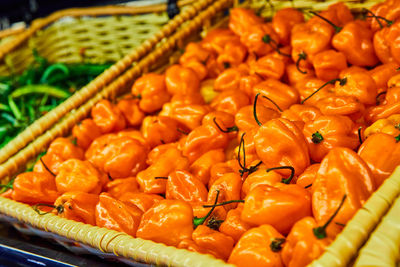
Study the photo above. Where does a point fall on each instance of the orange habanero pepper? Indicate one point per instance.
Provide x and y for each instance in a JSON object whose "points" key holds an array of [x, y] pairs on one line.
{"points": [[342, 172], [117, 215], [143, 201], [85, 132], [202, 166], [328, 64], [108, 117], [254, 248], [381, 153], [116, 188], [159, 130], [181, 81], [233, 225], [131, 111], [283, 22], [241, 19]]}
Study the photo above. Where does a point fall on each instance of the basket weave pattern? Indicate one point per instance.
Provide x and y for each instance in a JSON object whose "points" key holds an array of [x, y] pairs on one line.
{"points": [[340, 253]]}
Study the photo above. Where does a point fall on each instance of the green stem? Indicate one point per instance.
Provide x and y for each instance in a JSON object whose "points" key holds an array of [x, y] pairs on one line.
{"points": [[228, 130], [273, 102], [199, 221], [59, 208], [317, 138], [255, 109], [287, 180], [342, 82], [378, 18], [276, 244], [224, 203], [320, 232], [337, 28], [301, 56], [273, 44], [359, 134], [47, 168]]}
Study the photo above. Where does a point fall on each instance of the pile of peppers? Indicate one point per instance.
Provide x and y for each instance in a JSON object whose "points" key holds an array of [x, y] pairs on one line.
{"points": [[41, 87], [256, 148]]}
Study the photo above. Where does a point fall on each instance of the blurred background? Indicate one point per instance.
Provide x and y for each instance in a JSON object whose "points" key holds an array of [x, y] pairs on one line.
{"points": [[14, 12]]}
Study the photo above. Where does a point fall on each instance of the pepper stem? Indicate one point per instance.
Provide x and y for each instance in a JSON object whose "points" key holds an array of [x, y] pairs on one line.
{"points": [[161, 177], [273, 102], [273, 44], [359, 134], [337, 28], [377, 97], [228, 130], [317, 138], [342, 82], [276, 244], [287, 180], [201, 220], [308, 186], [59, 208], [224, 203], [182, 131], [301, 56], [244, 169], [320, 232], [47, 168], [397, 138], [255, 109], [378, 18]]}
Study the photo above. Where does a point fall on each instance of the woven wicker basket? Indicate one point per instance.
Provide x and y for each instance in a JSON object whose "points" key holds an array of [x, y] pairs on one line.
{"points": [[340, 253], [104, 34]]}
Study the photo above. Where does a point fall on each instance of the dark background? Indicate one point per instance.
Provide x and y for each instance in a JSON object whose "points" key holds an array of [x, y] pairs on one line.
{"points": [[12, 11]]}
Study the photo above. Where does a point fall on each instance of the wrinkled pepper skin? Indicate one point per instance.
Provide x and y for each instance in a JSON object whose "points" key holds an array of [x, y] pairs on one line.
{"points": [[342, 172], [253, 248], [280, 206], [117, 215], [381, 153], [168, 222], [280, 142]]}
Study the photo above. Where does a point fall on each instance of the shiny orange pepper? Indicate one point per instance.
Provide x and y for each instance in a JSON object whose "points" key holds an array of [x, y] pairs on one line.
{"points": [[386, 43], [283, 22], [229, 186], [194, 51], [116, 188], [166, 163], [156, 152], [268, 66], [280, 206], [159, 130], [233, 54], [229, 79], [389, 106], [327, 132], [390, 125], [294, 75], [313, 90], [201, 168], [381, 153], [328, 64], [303, 113], [80, 176], [233, 225], [230, 101], [247, 83], [302, 246], [85, 132], [143, 201], [77, 206], [117, 215], [357, 84], [240, 19], [120, 157], [308, 176], [260, 39], [215, 241], [355, 41], [182, 185], [168, 222], [244, 118], [342, 172], [254, 248], [386, 9], [282, 94], [382, 73], [181, 81], [34, 187], [260, 177], [151, 91], [187, 115], [280, 142], [131, 111], [108, 117], [340, 105], [202, 139]]}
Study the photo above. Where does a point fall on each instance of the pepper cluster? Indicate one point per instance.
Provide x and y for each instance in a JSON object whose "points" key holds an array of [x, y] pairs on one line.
{"points": [[257, 148], [41, 87]]}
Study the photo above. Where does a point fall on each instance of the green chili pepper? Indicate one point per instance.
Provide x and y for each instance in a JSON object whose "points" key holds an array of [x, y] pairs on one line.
{"points": [[54, 68], [40, 89], [14, 108]]}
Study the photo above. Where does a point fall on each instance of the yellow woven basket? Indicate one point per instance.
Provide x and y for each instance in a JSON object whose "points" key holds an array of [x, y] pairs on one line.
{"points": [[340, 253], [120, 33]]}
